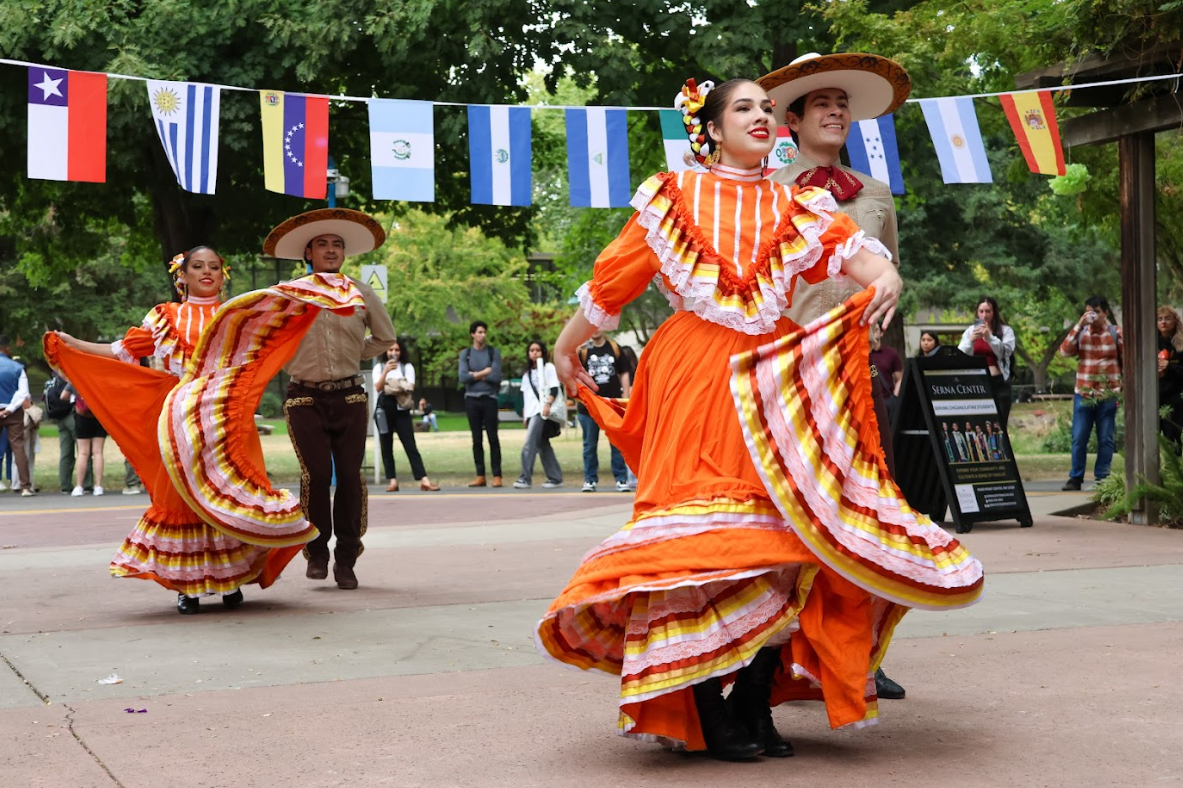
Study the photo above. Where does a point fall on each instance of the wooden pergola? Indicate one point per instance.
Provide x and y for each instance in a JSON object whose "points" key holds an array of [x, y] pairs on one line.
{"points": [[1132, 125]]}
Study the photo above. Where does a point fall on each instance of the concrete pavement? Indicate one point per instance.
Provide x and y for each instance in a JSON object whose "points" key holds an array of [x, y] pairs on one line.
{"points": [[1065, 674]]}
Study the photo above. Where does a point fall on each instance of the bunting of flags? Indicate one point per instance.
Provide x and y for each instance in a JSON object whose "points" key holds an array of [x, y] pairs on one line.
{"points": [[67, 115], [295, 143], [67, 125]]}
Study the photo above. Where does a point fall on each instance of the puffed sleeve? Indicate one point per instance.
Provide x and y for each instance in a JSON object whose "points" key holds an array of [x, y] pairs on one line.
{"points": [[142, 340], [622, 272]]}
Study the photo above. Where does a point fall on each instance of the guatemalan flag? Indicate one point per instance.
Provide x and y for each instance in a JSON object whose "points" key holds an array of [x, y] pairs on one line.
{"points": [[67, 125], [872, 150], [295, 143], [186, 117], [499, 154], [597, 158], [953, 126], [402, 149]]}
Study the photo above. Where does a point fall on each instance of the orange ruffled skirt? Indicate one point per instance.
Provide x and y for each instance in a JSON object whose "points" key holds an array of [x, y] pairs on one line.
{"points": [[777, 526]]}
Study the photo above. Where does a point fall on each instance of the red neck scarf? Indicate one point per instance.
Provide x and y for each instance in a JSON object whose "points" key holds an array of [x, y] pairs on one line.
{"points": [[840, 183]]}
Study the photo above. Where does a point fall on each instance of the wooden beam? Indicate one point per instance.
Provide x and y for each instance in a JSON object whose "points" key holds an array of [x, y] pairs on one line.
{"points": [[1138, 302], [1147, 116], [1100, 68]]}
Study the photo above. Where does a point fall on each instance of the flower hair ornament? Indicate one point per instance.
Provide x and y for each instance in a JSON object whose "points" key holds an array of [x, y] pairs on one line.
{"points": [[690, 101], [176, 269]]}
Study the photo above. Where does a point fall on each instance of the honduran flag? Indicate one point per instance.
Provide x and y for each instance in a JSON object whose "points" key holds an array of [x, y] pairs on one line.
{"points": [[402, 149], [676, 140], [597, 158], [295, 143], [186, 116], [67, 125], [953, 126], [499, 155], [872, 150], [1032, 118]]}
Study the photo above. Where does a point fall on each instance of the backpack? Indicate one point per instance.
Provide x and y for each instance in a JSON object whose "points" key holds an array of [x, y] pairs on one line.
{"points": [[51, 395], [615, 352]]}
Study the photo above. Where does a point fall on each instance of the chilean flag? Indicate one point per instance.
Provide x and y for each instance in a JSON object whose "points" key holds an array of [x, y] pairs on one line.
{"points": [[295, 143], [67, 125]]}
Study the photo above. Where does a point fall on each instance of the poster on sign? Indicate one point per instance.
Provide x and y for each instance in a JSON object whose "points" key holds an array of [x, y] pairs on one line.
{"points": [[951, 447]]}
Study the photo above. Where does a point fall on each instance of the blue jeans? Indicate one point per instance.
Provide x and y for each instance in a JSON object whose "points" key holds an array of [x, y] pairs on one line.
{"points": [[591, 457], [1086, 413]]}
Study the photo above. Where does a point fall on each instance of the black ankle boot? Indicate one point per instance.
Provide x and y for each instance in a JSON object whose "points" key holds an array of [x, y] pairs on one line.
{"points": [[726, 739], [232, 600], [750, 698], [188, 605]]}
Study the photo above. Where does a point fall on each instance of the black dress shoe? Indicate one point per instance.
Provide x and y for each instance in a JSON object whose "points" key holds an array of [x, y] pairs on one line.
{"points": [[188, 605], [1072, 485], [886, 688], [318, 569], [232, 600]]}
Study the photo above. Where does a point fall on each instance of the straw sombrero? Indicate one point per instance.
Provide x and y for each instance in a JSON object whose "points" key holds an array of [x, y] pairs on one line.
{"points": [[361, 232], [874, 85]]}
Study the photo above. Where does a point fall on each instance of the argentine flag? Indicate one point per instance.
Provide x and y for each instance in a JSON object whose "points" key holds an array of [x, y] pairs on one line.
{"points": [[402, 150], [499, 155], [872, 150], [953, 126], [186, 117], [597, 158]]}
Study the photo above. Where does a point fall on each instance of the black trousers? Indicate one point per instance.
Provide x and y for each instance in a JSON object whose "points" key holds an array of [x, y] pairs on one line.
{"points": [[328, 430], [482, 417], [400, 423]]}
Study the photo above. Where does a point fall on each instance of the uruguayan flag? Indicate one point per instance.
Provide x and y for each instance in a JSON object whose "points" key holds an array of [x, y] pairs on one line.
{"points": [[499, 155], [872, 149], [186, 116], [953, 126], [402, 150], [597, 158]]}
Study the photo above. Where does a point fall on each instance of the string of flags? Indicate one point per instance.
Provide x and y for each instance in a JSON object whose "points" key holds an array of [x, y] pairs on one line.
{"points": [[67, 130]]}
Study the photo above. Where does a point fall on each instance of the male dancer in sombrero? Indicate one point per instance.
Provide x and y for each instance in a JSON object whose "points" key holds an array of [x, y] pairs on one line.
{"points": [[326, 404], [819, 98]]}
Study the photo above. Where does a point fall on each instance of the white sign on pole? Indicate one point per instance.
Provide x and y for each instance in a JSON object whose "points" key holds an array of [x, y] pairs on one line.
{"points": [[375, 277]]}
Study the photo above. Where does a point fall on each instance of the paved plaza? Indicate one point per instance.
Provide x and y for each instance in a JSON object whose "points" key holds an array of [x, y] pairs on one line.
{"points": [[1066, 674]]}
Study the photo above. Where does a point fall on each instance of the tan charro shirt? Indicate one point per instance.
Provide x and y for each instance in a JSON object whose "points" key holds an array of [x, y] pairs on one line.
{"points": [[873, 210], [335, 345]]}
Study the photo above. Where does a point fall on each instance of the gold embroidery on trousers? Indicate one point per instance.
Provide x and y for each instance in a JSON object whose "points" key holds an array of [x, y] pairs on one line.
{"points": [[292, 402], [351, 399]]}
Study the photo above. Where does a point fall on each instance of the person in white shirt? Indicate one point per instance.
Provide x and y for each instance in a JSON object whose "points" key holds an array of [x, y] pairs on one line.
{"points": [[394, 382], [540, 391]]}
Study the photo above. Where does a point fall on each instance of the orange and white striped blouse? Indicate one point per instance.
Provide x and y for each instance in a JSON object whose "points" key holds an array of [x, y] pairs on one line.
{"points": [[169, 332]]}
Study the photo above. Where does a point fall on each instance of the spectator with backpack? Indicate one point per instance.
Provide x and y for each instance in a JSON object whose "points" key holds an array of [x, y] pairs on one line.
{"points": [[605, 363], [1098, 344], [60, 411], [480, 372]]}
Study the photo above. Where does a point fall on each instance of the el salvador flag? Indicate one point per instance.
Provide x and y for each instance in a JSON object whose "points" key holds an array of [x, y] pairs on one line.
{"points": [[953, 126], [872, 150], [499, 155], [597, 158]]}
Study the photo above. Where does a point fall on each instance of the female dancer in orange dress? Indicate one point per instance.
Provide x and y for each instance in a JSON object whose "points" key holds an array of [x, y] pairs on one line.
{"points": [[206, 531], [767, 545]]}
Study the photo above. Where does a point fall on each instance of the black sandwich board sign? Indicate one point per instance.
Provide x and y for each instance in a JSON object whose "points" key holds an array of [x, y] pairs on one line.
{"points": [[950, 447]]}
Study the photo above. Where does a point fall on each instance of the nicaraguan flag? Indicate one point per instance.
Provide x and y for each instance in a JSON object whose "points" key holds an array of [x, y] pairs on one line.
{"points": [[499, 155], [953, 126], [295, 143], [872, 150], [186, 116], [67, 125], [402, 150], [597, 158]]}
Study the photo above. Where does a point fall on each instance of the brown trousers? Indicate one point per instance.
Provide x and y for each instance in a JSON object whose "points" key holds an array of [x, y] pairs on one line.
{"points": [[328, 432], [14, 423]]}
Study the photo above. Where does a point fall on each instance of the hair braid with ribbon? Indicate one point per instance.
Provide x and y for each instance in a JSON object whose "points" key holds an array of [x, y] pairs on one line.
{"points": [[690, 101]]}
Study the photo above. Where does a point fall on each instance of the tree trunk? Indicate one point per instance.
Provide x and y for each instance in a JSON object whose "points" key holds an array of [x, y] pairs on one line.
{"points": [[180, 223]]}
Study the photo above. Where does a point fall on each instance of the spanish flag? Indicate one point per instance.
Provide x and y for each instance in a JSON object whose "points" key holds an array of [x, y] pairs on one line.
{"points": [[1032, 117], [295, 143]]}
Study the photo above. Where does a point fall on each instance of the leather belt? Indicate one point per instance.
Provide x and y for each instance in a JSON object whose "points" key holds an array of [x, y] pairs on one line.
{"points": [[332, 385]]}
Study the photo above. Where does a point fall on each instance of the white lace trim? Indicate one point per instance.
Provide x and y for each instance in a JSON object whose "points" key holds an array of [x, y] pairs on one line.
{"points": [[121, 353], [844, 252], [595, 314], [698, 297]]}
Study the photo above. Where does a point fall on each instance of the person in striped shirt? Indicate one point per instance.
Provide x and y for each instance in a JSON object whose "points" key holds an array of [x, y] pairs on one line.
{"points": [[1096, 340]]}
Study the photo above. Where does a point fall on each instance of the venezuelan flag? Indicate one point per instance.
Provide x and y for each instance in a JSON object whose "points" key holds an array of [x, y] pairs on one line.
{"points": [[1032, 118], [295, 143]]}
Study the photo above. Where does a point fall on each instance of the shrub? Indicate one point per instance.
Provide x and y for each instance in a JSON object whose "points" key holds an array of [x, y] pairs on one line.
{"points": [[271, 406], [1059, 439], [1167, 494]]}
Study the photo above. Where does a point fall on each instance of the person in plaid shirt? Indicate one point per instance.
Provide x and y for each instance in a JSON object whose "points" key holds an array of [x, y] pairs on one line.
{"points": [[1097, 341]]}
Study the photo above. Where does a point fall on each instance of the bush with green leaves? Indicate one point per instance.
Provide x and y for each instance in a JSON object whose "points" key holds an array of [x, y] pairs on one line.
{"points": [[271, 406], [1167, 495], [1059, 438]]}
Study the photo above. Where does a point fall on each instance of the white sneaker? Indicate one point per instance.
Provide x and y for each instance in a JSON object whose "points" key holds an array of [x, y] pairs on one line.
{"points": [[551, 485], [98, 490], [27, 493], [132, 491], [521, 485], [623, 487], [3, 486], [589, 487], [76, 492]]}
